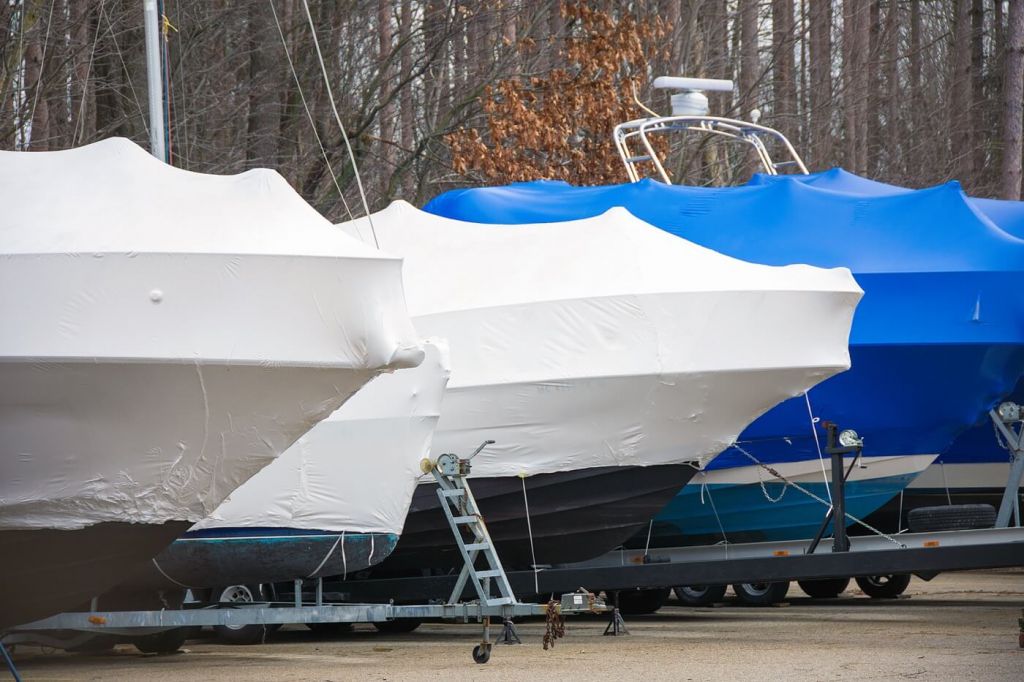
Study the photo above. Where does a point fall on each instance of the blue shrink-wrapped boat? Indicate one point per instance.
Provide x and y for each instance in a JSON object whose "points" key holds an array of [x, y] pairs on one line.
{"points": [[975, 468], [937, 340]]}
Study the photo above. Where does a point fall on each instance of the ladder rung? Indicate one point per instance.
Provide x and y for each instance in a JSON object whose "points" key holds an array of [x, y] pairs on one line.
{"points": [[454, 492], [477, 546], [466, 519], [488, 574], [500, 601], [635, 159]]}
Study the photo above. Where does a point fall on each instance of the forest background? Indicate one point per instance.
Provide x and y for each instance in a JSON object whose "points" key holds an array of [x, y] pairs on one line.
{"points": [[436, 94]]}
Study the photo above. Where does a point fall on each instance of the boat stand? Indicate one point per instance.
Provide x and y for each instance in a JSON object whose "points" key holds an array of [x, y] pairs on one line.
{"points": [[464, 517], [616, 625], [509, 635], [1008, 419]]}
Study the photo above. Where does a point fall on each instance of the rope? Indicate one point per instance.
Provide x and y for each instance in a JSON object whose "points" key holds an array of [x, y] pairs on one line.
{"points": [[327, 556], [817, 444], [945, 483], [337, 117], [647, 546], [807, 492], [529, 529], [309, 114], [711, 500]]}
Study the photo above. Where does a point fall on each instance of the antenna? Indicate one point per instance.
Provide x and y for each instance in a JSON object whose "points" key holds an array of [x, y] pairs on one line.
{"points": [[691, 100]]}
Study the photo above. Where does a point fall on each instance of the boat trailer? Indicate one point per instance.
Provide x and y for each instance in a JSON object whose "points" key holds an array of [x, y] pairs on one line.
{"points": [[482, 573]]}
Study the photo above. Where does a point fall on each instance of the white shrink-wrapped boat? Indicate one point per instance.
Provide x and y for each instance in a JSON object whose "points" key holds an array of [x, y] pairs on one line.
{"points": [[166, 334], [606, 358], [334, 503]]}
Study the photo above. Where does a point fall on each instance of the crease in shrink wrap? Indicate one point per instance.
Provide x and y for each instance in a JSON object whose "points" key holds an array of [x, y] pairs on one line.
{"points": [[356, 470]]}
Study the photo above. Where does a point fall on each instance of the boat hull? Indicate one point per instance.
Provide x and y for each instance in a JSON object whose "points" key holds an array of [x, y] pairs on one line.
{"points": [[216, 558], [747, 504], [574, 516], [46, 570], [137, 451]]}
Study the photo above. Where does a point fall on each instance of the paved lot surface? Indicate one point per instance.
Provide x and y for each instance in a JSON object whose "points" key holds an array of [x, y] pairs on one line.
{"points": [[958, 627]]}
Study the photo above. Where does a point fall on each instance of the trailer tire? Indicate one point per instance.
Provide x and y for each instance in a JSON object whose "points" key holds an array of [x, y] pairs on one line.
{"points": [[824, 589], [642, 602], [399, 626], [761, 594], [951, 517], [164, 642], [97, 644], [241, 634], [700, 595], [330, 629], [884, 586]]}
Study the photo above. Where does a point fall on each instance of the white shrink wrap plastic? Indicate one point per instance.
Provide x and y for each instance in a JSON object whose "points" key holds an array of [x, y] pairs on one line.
{"points": [[606, 341], [356, 470], [166, 334]]}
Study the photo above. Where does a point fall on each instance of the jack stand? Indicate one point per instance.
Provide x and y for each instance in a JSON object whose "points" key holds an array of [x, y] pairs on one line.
{"points": [[845, 443], [17, 678], [616, 626], [509, 634]]}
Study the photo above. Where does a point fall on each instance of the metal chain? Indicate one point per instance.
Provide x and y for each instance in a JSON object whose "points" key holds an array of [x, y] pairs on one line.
{"points": [[554, 625]]}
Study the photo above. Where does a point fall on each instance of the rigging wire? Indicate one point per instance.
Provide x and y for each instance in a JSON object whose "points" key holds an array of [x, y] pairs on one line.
{"points": [[817, 444], [337, 117], [309, 114], [80, 122], [127, 73]]}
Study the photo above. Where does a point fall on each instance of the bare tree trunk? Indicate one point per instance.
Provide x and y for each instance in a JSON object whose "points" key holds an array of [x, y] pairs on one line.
{"points": [[783, 82], [749, 61], [264, 114], [821, 82], [976, 115], [387, 112], [406, 104], [892, 89], [36, 104], [917, 104], [1013, 111], [960, 95]]}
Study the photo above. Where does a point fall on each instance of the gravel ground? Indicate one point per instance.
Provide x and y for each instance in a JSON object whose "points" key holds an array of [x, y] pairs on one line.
{"points": [[958, 627]]}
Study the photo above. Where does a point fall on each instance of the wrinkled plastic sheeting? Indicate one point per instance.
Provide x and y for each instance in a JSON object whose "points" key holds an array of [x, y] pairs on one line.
{"points": [[606, 341], [167, 334], [356, 470]]}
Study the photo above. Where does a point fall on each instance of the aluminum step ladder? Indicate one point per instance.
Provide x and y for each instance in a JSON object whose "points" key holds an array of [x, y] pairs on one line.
{"points": [[464, 517]]}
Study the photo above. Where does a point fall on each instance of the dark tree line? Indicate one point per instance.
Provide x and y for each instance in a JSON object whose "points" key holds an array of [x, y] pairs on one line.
{"points": [[913, 92]]}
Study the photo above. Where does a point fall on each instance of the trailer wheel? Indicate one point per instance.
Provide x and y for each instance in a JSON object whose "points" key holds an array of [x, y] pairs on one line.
{"points": [[97, 644], [398, 626], [165, 642], [700, 595], [642, 602], [330, 629], [481, 653], [241, 634], [884, 586], [761, 594], [824, 589], [951, 517]]}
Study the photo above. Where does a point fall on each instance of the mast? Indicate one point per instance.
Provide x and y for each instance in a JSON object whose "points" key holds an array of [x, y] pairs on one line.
{"points": [[154, 79]]}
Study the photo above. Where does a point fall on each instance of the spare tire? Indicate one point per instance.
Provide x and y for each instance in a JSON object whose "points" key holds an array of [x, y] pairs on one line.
{"points": [[951, 517]]}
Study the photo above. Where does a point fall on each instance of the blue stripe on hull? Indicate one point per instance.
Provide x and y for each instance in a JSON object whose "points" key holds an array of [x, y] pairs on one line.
{"points": [[748, 516]]}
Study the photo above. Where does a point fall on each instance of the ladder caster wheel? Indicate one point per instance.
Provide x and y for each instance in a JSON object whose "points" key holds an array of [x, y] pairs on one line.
{"points": [[482, 653]]}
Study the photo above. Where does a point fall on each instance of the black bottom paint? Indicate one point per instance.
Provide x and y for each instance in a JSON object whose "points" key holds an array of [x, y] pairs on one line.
{"points": [[574, 515], [44, 572]]}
